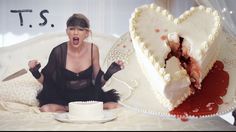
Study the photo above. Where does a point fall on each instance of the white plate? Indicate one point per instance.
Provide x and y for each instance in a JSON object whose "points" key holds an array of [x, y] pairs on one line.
{"points": [[63, 117], [143, 100]]}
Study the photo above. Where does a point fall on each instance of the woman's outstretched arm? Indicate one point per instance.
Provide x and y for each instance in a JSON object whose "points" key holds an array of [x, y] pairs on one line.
{"points": [[99, 76]]}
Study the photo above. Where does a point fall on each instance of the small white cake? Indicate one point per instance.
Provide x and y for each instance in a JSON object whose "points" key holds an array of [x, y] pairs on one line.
{"points": [[86, 110], [155, 33]]}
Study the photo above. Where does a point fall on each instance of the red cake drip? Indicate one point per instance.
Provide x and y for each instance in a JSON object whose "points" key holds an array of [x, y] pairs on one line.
{"points": [[207, 100]]}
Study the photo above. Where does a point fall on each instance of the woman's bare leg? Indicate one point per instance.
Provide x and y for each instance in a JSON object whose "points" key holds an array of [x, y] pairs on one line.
{"points": [[53, 108], [110, 105]]}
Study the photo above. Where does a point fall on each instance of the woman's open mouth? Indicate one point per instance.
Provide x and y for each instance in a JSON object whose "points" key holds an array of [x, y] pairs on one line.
{"points": [[75, 40]]}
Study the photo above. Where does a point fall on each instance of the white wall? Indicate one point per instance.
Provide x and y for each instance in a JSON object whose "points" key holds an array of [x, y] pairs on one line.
{"points": [[106, 16]]}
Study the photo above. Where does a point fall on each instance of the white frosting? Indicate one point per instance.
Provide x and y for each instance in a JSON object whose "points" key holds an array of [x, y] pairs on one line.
{"points": [[173, 37], [89, 110], [150, 25]]}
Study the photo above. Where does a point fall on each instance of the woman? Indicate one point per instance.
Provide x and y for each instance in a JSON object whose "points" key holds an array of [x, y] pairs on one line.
{"points": [[73, 72]]}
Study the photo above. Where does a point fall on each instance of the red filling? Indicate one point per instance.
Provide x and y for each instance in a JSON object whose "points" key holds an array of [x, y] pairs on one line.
{"points": [[188, 63], [207, 100], [214, 86]]}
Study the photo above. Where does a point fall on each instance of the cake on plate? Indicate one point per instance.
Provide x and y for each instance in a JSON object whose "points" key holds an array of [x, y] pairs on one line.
{"points": [[86, 110], [175, 54]]}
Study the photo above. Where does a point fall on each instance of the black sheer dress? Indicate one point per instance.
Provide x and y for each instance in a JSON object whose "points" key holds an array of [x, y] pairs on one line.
{"points": [[62, 86]]}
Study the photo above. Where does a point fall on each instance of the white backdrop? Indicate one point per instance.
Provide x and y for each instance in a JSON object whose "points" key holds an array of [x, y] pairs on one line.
{"points": [[106, 16]]}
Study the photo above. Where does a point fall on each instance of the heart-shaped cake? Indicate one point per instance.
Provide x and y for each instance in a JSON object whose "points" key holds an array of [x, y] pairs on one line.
{"points": [[175, 53]]}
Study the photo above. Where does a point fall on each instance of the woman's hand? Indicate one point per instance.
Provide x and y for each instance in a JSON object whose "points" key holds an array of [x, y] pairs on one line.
{"points": [[113, 68], [32, 64], [121, 63]]}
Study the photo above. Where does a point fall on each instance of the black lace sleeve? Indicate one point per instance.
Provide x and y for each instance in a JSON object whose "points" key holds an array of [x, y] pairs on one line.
{"points": [[112, 69], [98, 80], [106, 96], [48, 70], [55, 62], [53, 82]]}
